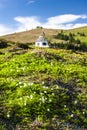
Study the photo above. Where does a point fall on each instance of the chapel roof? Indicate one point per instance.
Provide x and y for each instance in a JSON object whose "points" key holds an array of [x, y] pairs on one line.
{"points": [[41, 37]]}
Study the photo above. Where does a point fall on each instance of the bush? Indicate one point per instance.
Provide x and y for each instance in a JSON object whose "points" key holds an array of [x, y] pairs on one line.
{"points": [[23, 46], [3, 44]]}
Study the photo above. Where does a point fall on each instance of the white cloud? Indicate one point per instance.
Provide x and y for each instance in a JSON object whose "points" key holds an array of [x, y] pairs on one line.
{"points": [[58, 22], [5, 30], [66, 21], [27, 22], [31, 2], [66, 18], [63, 21]]}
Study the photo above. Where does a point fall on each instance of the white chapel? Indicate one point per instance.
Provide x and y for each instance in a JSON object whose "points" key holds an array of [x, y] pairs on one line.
{"points": [[41, 41]]}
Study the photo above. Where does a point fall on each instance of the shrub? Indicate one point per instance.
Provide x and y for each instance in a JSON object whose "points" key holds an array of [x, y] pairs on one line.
{"points": [[3, 44], [23, 46]]}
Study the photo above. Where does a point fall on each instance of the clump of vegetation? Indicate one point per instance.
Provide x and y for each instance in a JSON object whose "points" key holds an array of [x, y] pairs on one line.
{"points": [[70, 42], [23, 46], [3, 43]]}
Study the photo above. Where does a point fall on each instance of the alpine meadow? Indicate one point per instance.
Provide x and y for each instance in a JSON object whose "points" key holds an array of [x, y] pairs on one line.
{"points": [[44, 88]]}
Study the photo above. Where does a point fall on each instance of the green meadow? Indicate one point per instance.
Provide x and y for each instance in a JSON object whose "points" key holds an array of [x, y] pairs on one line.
{"points": [[43, 88]]}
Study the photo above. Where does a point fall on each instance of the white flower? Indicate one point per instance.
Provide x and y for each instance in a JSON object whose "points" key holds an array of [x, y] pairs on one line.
{"points": [[17, 70], [75, 102], [20, 82], [34, 92], [31, 96], [11, 70], [43, 100], [23, 68], [51, 63], [41, 93], [40, 99], [8, 115], [53, 94], [24, 103], [43, 82], [51, 88], [50, 100], [20, 86], [72, 115], [27, 96], [57, 87], [83, 112], [48, 109], [44, 86], [31, 83], [25, 84], [20, 98], [45, 91], [64, 105]]}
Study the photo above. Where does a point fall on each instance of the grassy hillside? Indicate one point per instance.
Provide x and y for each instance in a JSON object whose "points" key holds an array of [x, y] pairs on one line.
{"points": [[31, 35], [77, 33], [42, 88]]}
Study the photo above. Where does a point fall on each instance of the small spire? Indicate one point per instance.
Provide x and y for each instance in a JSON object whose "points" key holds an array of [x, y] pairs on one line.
{"points": [[43, 34]]}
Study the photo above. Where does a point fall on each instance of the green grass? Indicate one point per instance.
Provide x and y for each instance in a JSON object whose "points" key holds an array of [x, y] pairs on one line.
{"points": [[48, 85]]}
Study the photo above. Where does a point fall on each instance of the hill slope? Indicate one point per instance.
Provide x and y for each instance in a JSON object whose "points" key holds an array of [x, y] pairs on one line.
{"points": [[31, 35]]}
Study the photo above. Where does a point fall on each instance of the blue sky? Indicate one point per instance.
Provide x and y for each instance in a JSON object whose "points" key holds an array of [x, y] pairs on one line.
{"points": [[21, 15]]}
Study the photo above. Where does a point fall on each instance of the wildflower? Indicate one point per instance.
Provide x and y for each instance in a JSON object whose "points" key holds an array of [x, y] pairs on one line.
{"points": [[43, 82], [64, 105], [44, 86], [75, 102], [43, 100], [53, 94], [45, 91], [57, 87], [41, 93], [8, 115], [31, 83], [83, 112], [27, 96], [17, 70], [20, 98], [23, 68], [50, 100], [11, 70], [20, 82], [51, 88], [52, 63], [48, 109], [25, 84], [72, 115], [24, 103], [20, 86], [31, 96], [34, 92]]}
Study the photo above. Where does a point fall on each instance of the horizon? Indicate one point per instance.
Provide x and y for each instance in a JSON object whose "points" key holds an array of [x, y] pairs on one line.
{"points": [[18, 16]]}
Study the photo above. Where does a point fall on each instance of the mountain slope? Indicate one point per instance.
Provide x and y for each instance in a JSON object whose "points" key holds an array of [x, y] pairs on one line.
{"points": [[31, 35]]}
